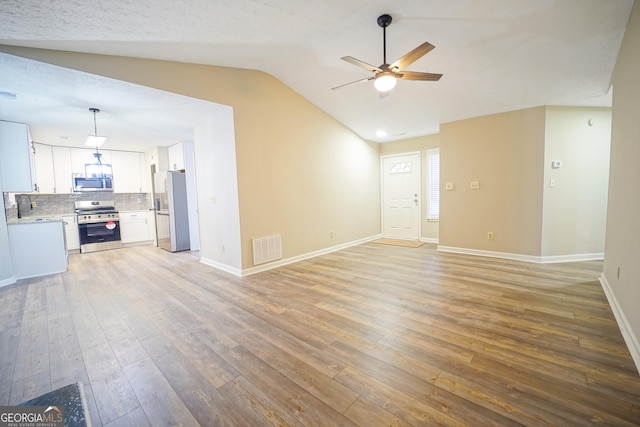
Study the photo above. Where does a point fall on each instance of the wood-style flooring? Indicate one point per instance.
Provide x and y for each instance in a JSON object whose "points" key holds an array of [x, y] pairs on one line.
{"points": [[373, 335]]}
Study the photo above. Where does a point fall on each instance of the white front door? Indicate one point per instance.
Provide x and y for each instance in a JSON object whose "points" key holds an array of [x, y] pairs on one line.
{"points": [[401, 196]]}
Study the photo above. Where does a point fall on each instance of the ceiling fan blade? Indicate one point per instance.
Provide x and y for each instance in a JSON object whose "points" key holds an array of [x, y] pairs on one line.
{"points": [[358, 63], [412, 56], [413, 75], [357, 81]]}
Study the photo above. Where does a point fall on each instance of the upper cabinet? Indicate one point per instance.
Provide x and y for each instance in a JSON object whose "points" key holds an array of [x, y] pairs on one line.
{"points": [[128, 172], [17, 171], [62, 170], [45, 176], [57, 165], [176, 157]]}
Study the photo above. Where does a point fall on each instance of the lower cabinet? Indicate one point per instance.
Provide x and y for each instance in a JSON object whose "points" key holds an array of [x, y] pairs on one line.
{"points": [[136, 227], [37, 248], [71, 233]]}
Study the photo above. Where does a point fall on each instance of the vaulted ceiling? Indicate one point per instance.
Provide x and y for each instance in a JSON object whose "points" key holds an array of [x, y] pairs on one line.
{"points": [[496, 55]]}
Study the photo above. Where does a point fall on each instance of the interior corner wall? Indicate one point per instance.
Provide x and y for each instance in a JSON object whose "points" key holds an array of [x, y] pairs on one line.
{"points": [[429, 230], [575, 193], [504, 154], [217, 195], [621, 274]]}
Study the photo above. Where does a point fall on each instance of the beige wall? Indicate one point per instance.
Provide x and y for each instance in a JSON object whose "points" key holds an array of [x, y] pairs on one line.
{"points": [[429, 230], [299, 172], [505, 154], [575, 207], [622, 245]]}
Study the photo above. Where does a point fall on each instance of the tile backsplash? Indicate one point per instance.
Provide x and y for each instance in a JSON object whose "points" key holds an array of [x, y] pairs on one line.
{"points": [[36, 205]]}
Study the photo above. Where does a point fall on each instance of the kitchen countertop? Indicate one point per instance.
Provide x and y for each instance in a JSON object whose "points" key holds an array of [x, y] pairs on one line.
{"points": [[32, 220]]}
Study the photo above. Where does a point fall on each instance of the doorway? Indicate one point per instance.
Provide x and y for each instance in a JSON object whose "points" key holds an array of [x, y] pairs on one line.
{"points": [[401, 196]]}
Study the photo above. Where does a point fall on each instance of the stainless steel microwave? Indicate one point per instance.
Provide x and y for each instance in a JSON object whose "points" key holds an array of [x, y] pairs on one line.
{"points": [[92, 184]]}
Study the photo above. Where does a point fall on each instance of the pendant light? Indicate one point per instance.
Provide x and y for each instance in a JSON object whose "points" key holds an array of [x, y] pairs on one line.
{"points": [[98, 169], [95, 140]]}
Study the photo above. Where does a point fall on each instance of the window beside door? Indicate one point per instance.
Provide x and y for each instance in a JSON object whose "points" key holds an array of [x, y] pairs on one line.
{"points": [[433, 184]]}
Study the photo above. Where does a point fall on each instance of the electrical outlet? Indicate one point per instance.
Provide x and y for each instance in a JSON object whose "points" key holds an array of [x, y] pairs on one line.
{"points": [[490, 235], [222, 248], [474, 185], [450, 186], [331, 234]]}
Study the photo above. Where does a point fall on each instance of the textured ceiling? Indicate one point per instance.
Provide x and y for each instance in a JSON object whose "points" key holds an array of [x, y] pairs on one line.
{"points": [[496, 55]]}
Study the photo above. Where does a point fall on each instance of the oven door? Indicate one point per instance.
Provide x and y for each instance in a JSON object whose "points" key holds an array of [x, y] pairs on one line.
{"points": [[99, 236]]}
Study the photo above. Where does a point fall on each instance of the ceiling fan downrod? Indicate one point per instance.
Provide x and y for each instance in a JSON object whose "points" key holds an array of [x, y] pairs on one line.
{"points": [[384, 21]]}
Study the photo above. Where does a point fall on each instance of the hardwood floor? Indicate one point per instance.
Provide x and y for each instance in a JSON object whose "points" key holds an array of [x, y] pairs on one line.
{"points": [[374, 335]]}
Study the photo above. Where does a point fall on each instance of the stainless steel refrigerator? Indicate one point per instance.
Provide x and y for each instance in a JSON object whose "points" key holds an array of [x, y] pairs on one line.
{"points": [[172, 216]]}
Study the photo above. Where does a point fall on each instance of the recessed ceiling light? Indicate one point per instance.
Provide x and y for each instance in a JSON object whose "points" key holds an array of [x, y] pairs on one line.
{"points": [[381, 133]]}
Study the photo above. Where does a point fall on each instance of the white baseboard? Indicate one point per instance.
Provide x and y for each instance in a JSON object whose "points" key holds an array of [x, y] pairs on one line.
{"points": [[220, 266], [286, 261], [630, 338], [281, 262], [434, 240], [521, 257], [571, 258], [9, 281], [491, 254]]}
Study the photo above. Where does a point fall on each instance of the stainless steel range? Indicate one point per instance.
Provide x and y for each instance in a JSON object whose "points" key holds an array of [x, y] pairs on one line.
{"points": [[98, 225]]}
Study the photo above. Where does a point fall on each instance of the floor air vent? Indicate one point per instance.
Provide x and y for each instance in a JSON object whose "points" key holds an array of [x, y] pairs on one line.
{"points": [[267, 249]]}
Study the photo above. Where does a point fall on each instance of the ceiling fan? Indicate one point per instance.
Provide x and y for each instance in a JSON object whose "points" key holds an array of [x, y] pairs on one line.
{"points": [[386, 75]]}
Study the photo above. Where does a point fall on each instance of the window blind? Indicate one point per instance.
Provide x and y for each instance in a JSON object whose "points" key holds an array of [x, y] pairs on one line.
{"points": [[433, 183]]}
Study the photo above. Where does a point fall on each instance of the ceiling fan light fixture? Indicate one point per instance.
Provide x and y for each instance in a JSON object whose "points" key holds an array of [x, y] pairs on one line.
{"points": [[384, 82]]}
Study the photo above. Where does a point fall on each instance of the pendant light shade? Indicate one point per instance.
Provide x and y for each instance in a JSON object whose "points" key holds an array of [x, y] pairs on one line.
{"points": [[95, 140]]}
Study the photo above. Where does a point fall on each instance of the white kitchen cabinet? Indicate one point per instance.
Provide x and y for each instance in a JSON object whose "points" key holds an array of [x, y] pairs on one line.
{"points": [[151, 225], [71, 232], [17, 171], [62, 170], [176, 157], [128, 172], [135, 227], [37, 248], [45, 176]]}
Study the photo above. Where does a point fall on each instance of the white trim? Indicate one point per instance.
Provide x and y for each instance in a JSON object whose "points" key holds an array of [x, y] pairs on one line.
{"points": [[220, 266], [9, 281], [630, 338], [491, 254], [571, 258], [285, 261], [521, 257], [434, 240]]}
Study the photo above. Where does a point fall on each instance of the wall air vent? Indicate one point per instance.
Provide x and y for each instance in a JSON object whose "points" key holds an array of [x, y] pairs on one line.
{"points": [[266, 249]]}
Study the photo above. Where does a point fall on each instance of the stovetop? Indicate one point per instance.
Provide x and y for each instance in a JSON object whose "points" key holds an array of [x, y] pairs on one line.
{"points": [[96, 211], [95, 206]]}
